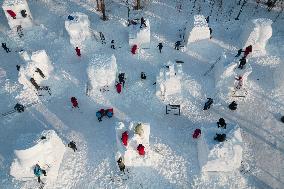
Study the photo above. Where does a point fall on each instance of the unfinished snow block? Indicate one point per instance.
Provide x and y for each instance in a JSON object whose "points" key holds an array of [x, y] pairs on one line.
{"points": [[169, 80], [78, 26], [257, 32], [140, 36], [196, 30], [220, 156], [138, 133], [17, 13], [102, 72], [48, 153]]}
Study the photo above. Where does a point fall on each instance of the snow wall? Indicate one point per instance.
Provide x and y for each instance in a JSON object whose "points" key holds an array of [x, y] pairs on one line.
{"points": [[257, 33], [102, 72], [78, 29], [140, 37], [48, 153], [129, 152], [169, 80], [197, 30], [17, 6], [220, 156]]}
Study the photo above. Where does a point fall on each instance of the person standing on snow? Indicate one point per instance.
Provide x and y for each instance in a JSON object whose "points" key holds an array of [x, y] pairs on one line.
{"points": [[38, 171], [5, 48], [78, 51], [121, 164], [247, 51], [160, 45], [208, 104], [143, 23], [177, 45], [74, 102], [239, 52], [112, 44], [233, 105], [118, 87], [222, 123], [240, 82], [124, 138], [243, 62], [141, 149], [72, 145]]}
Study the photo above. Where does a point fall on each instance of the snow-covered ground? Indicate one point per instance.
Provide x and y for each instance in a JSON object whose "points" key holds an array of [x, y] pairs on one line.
{"points": [[173, 152]]}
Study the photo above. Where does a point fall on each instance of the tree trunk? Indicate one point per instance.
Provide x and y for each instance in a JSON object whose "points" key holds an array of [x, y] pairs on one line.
{"points": [[138, 5], [103, 8], [98, 6]]}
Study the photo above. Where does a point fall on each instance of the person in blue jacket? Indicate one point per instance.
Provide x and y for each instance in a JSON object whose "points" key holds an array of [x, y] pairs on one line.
{"points": [[38, 171]]}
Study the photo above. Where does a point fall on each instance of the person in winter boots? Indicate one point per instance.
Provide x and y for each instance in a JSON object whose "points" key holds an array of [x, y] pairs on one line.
{"points": [[233, 105], [12, 14], [100, 114], [240, 82], [78, 51], [141, 150], [4, 45], [134, 49], [38, 171], [210, 30], [207, 19], [112, 44], [160, 45], [74, 102], [18, 67], [102, 38], [121, 164], [121, 79], [72, 145], [109, 112], [220, 137], [239, 52], [40, 72], [32, 80], [222, 123], [208, 104], [282, 119], [196, 134], [243, 62], [143, 75], [143, 23], [177, 45], [19, 107], [247, 51], [118, 88], [124, 138]]}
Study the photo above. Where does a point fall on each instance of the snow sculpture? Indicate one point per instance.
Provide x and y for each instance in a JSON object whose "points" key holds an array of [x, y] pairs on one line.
{"points": [[129, 152], [78, 27], [140, 36], [197, 30], [169, 80], [38, 60], [17, 13], [102, 73], [257, 33], [227, 83], [48, 153], [220, 156]]}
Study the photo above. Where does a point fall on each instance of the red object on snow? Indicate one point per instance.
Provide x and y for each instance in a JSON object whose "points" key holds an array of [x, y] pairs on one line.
{"points": [[124, 138], [74, 102], [196, 133], [78, 51], [134, 49], [12, 13], [247, 51], [118, 87], [141, 149]]}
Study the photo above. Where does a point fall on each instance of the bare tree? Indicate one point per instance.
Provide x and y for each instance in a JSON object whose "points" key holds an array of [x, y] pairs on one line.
{"points": [[270, 4]]}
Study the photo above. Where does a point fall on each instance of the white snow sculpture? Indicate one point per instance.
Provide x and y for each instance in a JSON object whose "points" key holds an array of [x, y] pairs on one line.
{"points": [[169, 80], [102, 72], [220, 156], [17, 13], [129, 153], [197, 30], [257, 33], [140, 36], [78, 27], [48, 153]]}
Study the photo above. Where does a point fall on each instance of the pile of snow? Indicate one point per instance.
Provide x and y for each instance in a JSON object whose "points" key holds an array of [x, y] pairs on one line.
{"points": [[169, 80], [129, 152], [23, 14], [48, 153], [226, 82], [140, 36], [257, 33], [78, 29], [220, 156], [197, 29], [102, 72]]}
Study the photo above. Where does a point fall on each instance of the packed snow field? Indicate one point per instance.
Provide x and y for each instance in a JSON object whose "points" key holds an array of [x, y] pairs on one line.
{"points": [[51, 72]]}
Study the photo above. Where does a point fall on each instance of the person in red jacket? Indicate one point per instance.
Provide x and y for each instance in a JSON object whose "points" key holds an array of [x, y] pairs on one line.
{"points": [[196, 133], [118, 87], [141, 150], [74, 102], [247, 51], [12, 14], [134, 49], [124, 138], [78, 51]]}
